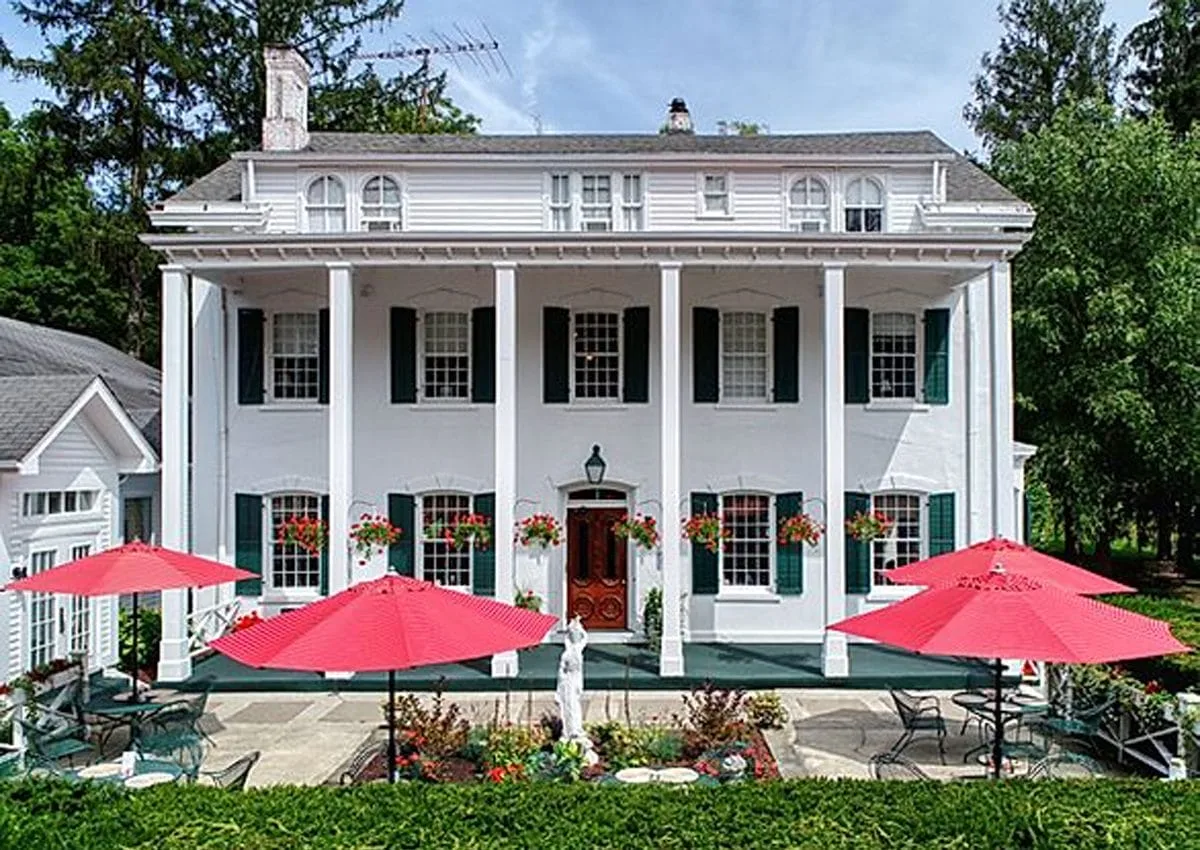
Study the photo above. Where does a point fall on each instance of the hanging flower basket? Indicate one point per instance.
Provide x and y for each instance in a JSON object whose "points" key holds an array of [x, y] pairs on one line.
{"points": [[540, 531], [800, 528], [706, 530], [528, 600], [641, 529], [466, 530], [371, 535], [309, 533], [869, 525]]}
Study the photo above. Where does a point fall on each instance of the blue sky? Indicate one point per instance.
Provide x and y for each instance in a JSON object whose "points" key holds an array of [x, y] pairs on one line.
{"points": [[795, 65]]}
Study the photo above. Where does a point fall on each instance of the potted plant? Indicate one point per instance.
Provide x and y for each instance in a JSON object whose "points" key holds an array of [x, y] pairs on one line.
{"points": [[707, 530], [528, 600], [641, 529], [309, 533], [800, 528], [539, 531], [371, 535], [869, 525], [464, 531]]}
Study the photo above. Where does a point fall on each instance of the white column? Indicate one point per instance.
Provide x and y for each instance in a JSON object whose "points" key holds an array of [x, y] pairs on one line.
{"points": [[835, 657], [208, 397], [670, 661], [979, 411], [175, 663], [341, 423], [1000, 289], [505, 431]]}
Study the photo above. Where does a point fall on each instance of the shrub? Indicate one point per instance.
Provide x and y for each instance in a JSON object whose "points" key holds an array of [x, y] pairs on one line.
{"points": [[149, 635], [712, 717], [635, 746], [440, 728], [652, 618], [1173, 672], [511, 745], [765, 710]]}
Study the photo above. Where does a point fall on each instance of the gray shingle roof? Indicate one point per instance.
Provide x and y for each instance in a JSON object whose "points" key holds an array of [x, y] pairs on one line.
{"points": [[48, 363], [966, 181], [223, 183]]}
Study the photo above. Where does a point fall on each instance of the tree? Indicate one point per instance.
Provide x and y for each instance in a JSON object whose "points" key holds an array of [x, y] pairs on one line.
{"points": [[1052, 51], [741, 128], [1166, 55]]}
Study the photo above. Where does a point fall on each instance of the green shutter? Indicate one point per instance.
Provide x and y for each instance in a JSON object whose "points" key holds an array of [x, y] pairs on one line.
{"points": [[483, 355], [637, 355], [941, 523], [556, 355], [401, 513], [858, 357], [706, 356], [325, 551], [248, 542], [483, 572], [858, 552], [789, 559], [250, 356], [937, 356], [787, 355], [323, 357], [404, 355], [1026, 519], [705, 581]]}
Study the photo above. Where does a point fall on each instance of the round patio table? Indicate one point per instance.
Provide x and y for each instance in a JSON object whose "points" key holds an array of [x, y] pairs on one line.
{"points": [[146, 772], [982, 707], [121, 712]]}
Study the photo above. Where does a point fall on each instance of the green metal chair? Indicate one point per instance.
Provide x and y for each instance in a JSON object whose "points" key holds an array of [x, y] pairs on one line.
{"points": [[173, 733], [233, 778], [919, 714], [46, 744], [891, 765]]}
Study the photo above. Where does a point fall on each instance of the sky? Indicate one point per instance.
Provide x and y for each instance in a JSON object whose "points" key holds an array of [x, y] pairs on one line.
{"points": [[795, 66]]}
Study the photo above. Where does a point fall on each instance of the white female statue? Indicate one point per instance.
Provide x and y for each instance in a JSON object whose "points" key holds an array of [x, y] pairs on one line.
{"points": [[569, 693]]}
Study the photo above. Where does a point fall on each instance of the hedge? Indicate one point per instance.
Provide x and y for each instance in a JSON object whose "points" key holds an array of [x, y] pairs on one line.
{"points": [[815, 813], [1174, 672]]}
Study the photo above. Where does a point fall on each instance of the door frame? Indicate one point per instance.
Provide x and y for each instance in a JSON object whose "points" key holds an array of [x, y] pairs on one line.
{"points": [[630, 631]]}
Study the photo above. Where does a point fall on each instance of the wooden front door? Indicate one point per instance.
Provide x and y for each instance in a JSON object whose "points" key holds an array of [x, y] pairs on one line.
{"points": [[597, 573]]}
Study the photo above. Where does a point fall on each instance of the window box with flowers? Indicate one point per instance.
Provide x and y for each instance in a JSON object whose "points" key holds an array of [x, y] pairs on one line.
{"points": [[463, 532], [308, 533], [706, 530], [372, 535], [800, 528], [866, 526], [642, 530], [539, 531]]}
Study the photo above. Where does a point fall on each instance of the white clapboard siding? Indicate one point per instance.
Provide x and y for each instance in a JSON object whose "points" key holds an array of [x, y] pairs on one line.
{"points": [[72, 450], [277, 186], [672, 202], [11, 624], [906, 188], [467, 199]]}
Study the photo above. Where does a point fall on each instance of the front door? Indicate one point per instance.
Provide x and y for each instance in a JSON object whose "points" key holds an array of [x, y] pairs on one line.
{"points": [[597, 574]]}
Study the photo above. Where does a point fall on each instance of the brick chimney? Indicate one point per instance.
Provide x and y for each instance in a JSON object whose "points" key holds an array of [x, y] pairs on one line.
{"points": [[285, 125]]}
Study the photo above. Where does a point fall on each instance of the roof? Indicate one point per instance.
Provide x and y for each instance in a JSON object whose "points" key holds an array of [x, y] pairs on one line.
{"points": [[965, 180], [43, 371]]}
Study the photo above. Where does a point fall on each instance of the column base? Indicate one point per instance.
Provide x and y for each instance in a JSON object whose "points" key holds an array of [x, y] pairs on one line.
{"points": [[505, 665], [338, 675], [670, 658], [174, 662], [835, 656]]}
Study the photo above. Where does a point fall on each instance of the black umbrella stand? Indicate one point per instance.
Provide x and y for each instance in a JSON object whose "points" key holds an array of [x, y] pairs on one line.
{"points": [[997, 719]]}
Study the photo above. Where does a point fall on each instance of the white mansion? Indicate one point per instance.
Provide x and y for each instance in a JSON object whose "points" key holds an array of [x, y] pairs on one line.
{"points": [[425, 326]]}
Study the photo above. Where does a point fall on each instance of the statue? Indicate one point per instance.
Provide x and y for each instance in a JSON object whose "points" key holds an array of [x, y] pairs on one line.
{"points": [[569, 692]]}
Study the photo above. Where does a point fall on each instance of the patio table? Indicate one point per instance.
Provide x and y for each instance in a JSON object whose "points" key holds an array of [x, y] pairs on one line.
{"points": [[117, 712], [982, 707], [146, 772]]}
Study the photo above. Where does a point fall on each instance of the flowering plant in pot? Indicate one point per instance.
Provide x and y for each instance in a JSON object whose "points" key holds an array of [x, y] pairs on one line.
{"points": [[246, 621], [309, 533], [641, 529], [528, 600], [707, 530], [465, 530], [869, 525], [372, 534], [539, 531], [800, 528]]}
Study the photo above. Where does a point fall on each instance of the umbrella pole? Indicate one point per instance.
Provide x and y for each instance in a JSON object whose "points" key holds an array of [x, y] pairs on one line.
{"points": [[391, 717], [998, 738], [134, 696]]}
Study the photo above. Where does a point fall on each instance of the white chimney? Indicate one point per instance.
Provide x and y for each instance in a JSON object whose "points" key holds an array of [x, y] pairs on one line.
{"points": [[679, 120], [285, 125]]}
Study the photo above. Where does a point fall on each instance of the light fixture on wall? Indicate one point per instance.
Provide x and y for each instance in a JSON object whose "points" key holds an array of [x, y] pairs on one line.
{"points": [[594, 466], [18, 573]]}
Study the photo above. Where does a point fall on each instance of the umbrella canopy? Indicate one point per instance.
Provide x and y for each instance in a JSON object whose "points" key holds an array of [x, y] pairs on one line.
{"points": [[1016, 558]]}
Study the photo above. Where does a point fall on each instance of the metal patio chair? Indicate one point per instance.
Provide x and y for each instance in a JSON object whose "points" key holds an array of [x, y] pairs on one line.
{"points": [[890, 765], [919, 714], [48, 741], [233, 778], [1066, 765], [171, 733]]}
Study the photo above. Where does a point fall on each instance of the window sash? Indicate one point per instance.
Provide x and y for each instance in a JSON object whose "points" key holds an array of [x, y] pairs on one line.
{"points": [[596, 356], [745, 356], [292, 567], [632, 202], [295, 356], [904, 544], [56, 502], [42, 613], [325, 205], [441, 563], [716, 194], [595, 202], [894, 356], [747, 556], [560, 201], [445, 356], [80, 610]]}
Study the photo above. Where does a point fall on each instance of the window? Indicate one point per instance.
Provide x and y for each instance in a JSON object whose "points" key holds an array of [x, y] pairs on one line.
{"points": [[325, 205], [746, 555], [893, 355], [597, 356], [808, 206], [80, 610], [632, 203], [596, 202], [903, 545], [715, 194], [744, 366], [864, 206], [295, 357], [293, 567], [138, 521], [446, 357], [53, 502], [41, 613], [381, 204], [441, 563], [560, 202]]}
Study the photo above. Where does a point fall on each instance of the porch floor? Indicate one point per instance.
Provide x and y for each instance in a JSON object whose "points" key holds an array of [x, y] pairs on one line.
{"points": [[617, 666]]}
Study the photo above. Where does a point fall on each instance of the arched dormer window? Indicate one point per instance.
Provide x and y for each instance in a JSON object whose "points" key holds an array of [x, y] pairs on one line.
{"points": [[325, 205], [808, 205], [381, 207], [864, 206]]}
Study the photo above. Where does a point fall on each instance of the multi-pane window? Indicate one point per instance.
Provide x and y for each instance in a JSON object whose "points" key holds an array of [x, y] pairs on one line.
{"points": [[446, 356], [746, 554], [292, 566], [596, 202], [715, 194], [903, 544], [808, 206], [893, 355], [864, 206], [597, 352], [744, 356], [381, 204], [441, 563], [632, 202], [52, 502], [80, 610], [41, 613], [325, 205], [560, 201], [295, 356]]}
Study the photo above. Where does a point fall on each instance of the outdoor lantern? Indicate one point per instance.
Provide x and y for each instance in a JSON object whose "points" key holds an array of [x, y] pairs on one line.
{"points": [[594, 466]]}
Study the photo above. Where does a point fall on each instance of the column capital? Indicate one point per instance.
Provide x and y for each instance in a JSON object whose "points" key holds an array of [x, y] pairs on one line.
{"points": [[339, 266], [833, 265], [504, 265], [172, 268], [670, 265]]}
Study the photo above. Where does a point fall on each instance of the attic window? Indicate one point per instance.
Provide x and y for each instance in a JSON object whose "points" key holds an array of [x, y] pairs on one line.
{"points": [[325, 205], [381, 206]]}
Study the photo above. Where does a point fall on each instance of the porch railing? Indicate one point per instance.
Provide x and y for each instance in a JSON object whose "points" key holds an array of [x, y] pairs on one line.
{"points": [[209, 623]]}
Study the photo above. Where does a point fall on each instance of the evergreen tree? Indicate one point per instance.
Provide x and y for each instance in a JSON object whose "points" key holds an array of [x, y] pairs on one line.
{"points": [[1165, 51]]}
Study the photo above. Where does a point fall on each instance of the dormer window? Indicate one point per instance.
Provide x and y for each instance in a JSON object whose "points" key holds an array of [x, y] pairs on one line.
{"points": [[808, 206], [864, 206], [325, 205], [596, 202], [381, 207]]}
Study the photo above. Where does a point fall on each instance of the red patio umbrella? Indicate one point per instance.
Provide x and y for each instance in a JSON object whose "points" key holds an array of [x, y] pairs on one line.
{"points": [[389, 624], [132, 568], [1016, 558], [1000, 615]]}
